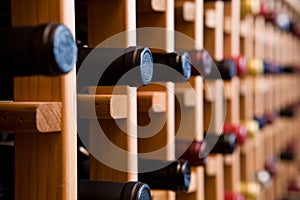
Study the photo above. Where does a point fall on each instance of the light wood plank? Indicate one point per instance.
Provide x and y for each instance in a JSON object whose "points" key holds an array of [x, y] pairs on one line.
{"points": [[35, 153], [122, 18], [25, 117], [157, 134], [102, 106], [121, 134]]}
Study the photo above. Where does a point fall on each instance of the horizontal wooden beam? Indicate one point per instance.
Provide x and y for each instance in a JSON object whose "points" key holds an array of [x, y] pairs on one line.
{"points": [[151, 100], [187, 95], [20, 117], [106, 106]]}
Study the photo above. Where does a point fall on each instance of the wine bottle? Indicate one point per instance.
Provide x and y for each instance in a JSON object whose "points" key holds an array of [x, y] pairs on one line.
{"points": [[83, 161], [270, 117], [263, 177], [131, 66], [289, 153], [271, 165], [288, 111], [99, 190], [193, 152], [223, 144], [165, 175], [233, 196], [179, 63], [289, 69], [252, 127], [215, 0], [250, 7], [241, 65], [224, 69], [201, 62], [262, 122], [251, 190], [239, 130], [7, 172], [255, 66], [47, 49], [283, 21], [268, 67], [267, 12], [293, 186]]}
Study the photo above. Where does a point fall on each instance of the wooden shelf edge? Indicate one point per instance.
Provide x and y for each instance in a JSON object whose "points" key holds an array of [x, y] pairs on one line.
{"points": [[20, 117], [108, 106]]}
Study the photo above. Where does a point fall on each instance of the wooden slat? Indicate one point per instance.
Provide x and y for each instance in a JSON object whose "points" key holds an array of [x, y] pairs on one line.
{"points": [[246, 99], [214, 113], [214, 28], [232, 176], [232, 89], [185, 17], [247, 161], [152, 100], [121, 134], [122, 18], [259, 153], [232, 28], [27, 117], [163, 124], [247, 33], [157, 132], [189, 126], [189, 21], [102, 106], [259, 90], [259, 32], [46, 164], [214, 178], [162, 39]]}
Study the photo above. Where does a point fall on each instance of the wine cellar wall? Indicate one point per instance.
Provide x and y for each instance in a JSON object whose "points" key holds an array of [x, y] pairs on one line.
{"points": [[150, 99]]}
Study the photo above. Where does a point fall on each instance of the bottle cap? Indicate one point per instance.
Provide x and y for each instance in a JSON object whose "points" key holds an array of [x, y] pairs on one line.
{"points": [[255, 66], [183, 177], [136, 191], [239, 130], [194, 153], [59, 40], [252, 127], [201, 62], [184, 58], [233, 196], [251, 190], [241, 65], [142, 57], [227, 68]]}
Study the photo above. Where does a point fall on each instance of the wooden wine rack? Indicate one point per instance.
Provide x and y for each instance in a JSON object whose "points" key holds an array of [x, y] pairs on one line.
{"points": [[44, 112]]}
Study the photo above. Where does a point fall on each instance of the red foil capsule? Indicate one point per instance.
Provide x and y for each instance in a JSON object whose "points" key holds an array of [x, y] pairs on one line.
{"points": [[239, 130], [233, 196], [192, 152], [241, 65]]}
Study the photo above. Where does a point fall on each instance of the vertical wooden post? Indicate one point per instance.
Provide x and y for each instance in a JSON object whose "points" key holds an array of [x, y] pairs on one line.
{"points": [[214, 177], [159, 120], [232, 88], [189, 21], [46, 163], [158, 14], [189, 126], [122, 133], [101, 25], [192, 117]]}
